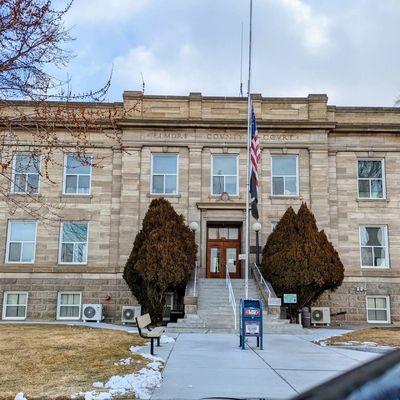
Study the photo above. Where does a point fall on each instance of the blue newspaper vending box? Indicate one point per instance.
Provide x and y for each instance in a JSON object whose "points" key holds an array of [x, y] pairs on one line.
{"points": [[251, 321]]}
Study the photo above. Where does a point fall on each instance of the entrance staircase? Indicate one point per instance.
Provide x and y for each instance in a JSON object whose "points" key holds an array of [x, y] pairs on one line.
{"points": [[215, 312]]}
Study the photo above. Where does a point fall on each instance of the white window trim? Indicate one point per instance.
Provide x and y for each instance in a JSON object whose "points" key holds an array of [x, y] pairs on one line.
{"points": [[8, 242], [387, 309], [61, 242], [279, 176], [5, 306], [382, 160], [14, 173], [387, 266], [68, 305], [212, 174], [177, 174], [65, 177]]}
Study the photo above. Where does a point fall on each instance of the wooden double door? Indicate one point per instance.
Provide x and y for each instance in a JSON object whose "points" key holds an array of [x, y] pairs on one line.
{"points": [[223, 249]]}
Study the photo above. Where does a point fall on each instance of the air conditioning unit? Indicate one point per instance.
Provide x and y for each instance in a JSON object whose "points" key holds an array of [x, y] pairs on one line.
{"points": [[92, 312], [129, 313], [320, 315]]}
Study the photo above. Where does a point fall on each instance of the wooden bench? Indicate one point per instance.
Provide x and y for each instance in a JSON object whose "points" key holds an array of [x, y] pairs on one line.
{"points": [[144, 321]]}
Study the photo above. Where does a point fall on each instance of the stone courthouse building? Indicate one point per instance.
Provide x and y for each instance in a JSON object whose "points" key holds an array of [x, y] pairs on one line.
{"points": [[343, 161]]}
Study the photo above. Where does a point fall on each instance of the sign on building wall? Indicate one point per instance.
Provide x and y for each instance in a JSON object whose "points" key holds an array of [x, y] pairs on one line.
{"points": [[290, 298]]}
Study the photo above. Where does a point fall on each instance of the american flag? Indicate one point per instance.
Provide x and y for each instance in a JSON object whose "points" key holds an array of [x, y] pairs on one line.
{"points": [[255, 156]]}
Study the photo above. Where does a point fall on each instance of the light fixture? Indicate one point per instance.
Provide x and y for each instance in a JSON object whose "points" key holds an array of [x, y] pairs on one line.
{"points": [[256, 227], [194, 226]]}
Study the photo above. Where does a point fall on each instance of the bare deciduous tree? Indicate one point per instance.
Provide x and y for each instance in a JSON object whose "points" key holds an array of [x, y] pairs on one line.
{"points": [[39, 114]]}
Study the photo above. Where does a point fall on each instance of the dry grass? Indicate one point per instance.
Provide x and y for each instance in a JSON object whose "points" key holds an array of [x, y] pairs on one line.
{"points": [[381, 336], [54, 361]]}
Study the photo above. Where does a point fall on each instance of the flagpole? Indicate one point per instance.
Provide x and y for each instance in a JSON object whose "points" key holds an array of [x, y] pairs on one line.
{"points": [[248, 157]]}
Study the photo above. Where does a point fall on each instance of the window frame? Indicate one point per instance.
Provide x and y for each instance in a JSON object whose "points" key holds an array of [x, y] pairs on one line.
{"points": [[278, 176], [7, 253], [4, 311], [59, 305], [64, 185], [387, 258], [13, 173], [61, 243], [212, 174], [383, 168], [387, 309], [176, 193]]}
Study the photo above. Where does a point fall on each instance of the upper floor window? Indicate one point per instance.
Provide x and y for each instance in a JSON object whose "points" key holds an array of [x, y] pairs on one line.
{"points": [[371, 180], [21, 242], [25, 176], [374, 246], [15, 305], [77, 174], [285, 176], [225, 177], [73, 243], [164, 174]]}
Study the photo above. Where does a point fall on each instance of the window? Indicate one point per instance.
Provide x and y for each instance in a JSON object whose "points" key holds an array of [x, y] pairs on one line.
{"points": [[374, 246], [164, 174], [69, 305], [25, 177], [230, 233], [285, 176], [371, 182], [225, 174], [77, 174], [378, 309], [21, 242], [73, 243], [15, 305]]}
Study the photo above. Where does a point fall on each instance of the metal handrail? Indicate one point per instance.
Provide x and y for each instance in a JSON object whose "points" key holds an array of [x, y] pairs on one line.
{"points": [[232, 299], [195, 279], [262, 282]]}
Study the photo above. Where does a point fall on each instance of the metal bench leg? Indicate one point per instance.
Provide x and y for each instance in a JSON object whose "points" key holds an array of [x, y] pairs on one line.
{"points": [[152, 347], [158, 341]]}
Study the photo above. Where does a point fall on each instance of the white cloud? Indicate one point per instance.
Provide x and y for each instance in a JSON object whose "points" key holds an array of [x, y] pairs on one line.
{"points": [[104, 11], [314, 26]]}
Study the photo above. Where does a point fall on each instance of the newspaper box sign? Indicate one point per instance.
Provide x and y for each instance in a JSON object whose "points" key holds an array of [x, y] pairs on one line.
{"points": [[252, 312], [251, 328]]}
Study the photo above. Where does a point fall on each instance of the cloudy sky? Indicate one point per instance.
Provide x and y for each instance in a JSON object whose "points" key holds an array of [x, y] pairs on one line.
{"points": [[349, 49]]}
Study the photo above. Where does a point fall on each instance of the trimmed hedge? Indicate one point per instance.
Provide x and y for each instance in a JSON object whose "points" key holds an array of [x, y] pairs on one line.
{"points": [[298, 258], [162, 257]]}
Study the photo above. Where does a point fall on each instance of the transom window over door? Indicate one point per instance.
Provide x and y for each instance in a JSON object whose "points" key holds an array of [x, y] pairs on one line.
{"points": [[21, 242], [78, 170], [225, 176], [164, 174], [26, 170], [374, 246], [285, 176], [371, 179], [73, 246]]}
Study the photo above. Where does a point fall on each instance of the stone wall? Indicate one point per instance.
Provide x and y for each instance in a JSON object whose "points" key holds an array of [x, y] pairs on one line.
{"points": [[43, 291]]}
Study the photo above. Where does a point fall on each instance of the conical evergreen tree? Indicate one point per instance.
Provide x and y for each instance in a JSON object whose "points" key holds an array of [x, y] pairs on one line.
{"points": [[298, 258], [162, 257]]}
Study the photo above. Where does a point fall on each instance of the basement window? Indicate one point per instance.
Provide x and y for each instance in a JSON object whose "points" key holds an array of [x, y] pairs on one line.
{"points": [[378, 309], [69, 305], [15, 305]]}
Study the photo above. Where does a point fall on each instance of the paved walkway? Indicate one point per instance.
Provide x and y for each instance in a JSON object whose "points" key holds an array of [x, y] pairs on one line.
{"points": [[211, 365]]}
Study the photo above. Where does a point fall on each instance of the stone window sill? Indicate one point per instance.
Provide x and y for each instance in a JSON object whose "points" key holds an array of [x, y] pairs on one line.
{"points": [[286, 197], [74, 198], [24, 195], [360, 200]]}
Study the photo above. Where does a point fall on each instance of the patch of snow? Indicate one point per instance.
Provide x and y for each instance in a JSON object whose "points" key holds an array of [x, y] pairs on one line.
{"points": [[98, 384], [166, 339], [20, 396], [124, 361], [141, 384]]}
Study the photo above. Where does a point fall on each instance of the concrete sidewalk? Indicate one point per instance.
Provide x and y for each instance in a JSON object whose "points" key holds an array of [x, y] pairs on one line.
{"points": [[211, 365]]}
